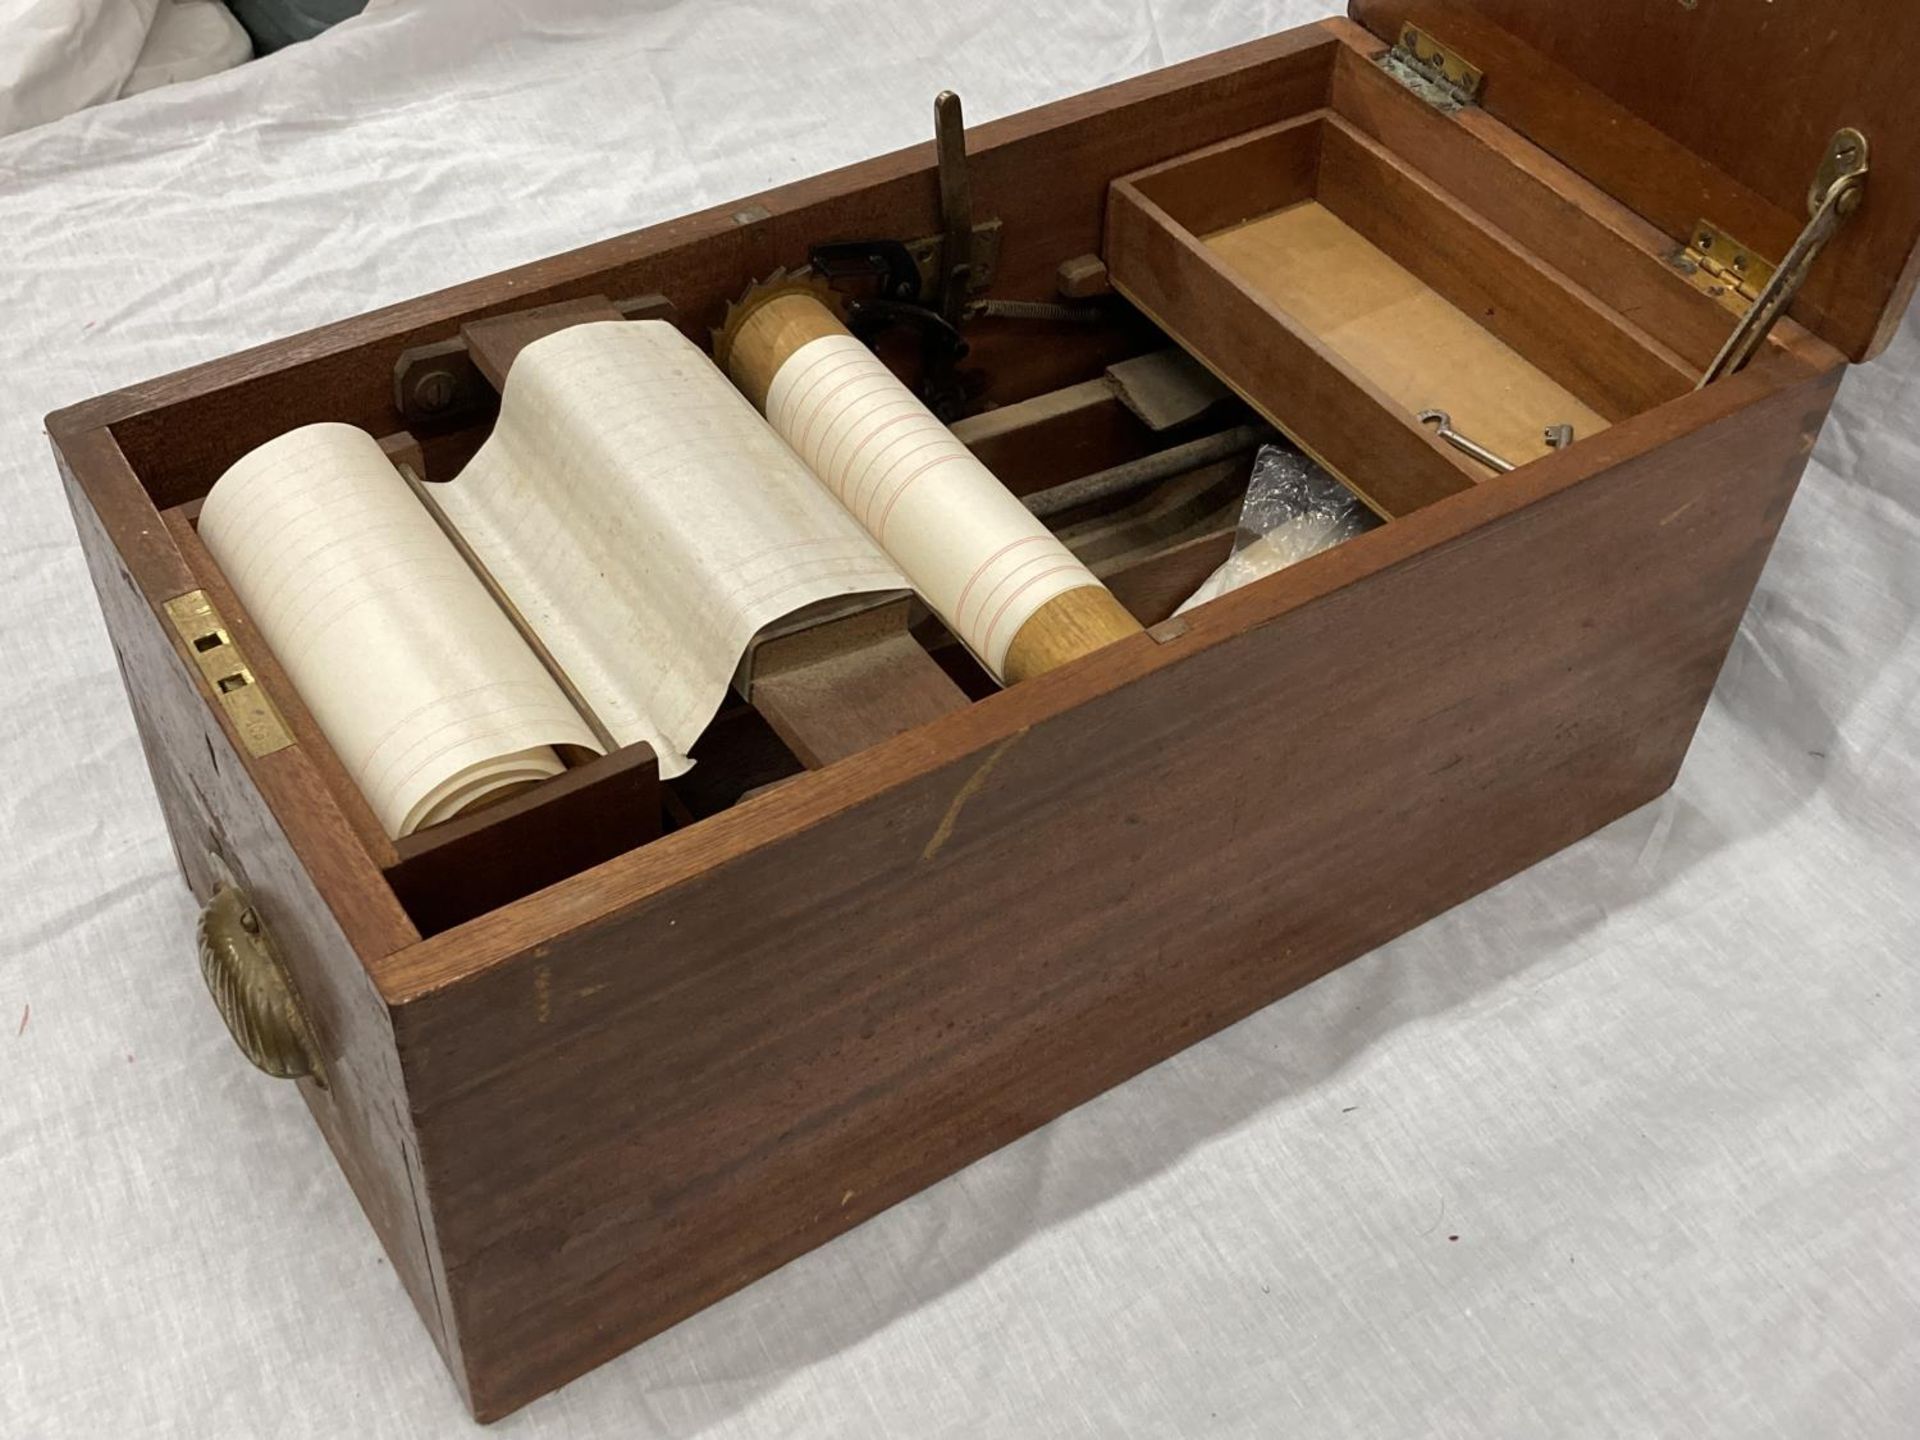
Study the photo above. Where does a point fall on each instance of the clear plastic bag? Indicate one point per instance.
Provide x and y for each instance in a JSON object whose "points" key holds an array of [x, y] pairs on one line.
{"points": [[1293, 509]]}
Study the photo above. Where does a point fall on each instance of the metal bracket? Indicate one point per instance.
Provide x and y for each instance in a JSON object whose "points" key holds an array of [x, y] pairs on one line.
{"points": [[1834, 195], [929, 254], [1437, 73], [906, 270]]}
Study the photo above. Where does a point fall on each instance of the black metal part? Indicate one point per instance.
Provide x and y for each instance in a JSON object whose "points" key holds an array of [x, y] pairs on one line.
{"points": [[883, 289], [887, 265], [1044, 312]]}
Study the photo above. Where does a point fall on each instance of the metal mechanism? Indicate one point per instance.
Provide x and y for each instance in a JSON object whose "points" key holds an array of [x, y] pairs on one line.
{"points": [[873, 286], [262, 728], [929, 255], [1438, 74], [1835, 194], [887, 268], [1443, 427], [1046, 312], [906, 270], [251, 988], [924, 285]]}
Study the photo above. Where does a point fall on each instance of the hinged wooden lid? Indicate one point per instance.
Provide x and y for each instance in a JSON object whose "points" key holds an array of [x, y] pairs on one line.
{"points": [[1717, 111]]}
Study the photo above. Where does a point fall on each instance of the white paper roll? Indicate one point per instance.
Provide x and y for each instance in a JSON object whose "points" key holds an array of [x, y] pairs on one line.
{"points": [[421, 684], [972, 550]]}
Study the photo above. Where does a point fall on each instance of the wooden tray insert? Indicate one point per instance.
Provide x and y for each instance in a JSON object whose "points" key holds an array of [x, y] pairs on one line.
{"points": [[1342, 293]]}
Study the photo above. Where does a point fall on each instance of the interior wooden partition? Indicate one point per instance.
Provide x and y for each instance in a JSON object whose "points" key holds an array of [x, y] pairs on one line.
{"points": [[586, 1114]]}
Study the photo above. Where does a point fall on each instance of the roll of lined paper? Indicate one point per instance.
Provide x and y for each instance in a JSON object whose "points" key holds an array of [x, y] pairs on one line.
{"points": [[433, 701], [1006, 587]]}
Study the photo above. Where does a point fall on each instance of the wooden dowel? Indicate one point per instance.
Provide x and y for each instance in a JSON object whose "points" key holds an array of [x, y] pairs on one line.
{"points": [[1147, 470]]}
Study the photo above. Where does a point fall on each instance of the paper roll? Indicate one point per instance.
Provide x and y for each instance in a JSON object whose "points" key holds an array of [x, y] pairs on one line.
{"points": [[431, 698], [1006, 587]]}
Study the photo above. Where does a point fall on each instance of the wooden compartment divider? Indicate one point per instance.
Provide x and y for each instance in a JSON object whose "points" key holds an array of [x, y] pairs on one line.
{"points": [[483, 859], [1344, 420], [1603, 358], [1344, 292]]}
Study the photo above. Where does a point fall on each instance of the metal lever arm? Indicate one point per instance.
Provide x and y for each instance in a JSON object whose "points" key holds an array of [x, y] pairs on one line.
{"points": [[1835, 195], [956, 204]]}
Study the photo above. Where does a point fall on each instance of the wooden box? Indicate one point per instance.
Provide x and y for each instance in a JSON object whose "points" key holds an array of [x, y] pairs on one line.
{"points": [[583, 1090]]}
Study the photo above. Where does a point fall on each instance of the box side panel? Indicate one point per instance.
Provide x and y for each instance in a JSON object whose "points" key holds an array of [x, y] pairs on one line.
{"points": [[213, 806], [641, 1114]]}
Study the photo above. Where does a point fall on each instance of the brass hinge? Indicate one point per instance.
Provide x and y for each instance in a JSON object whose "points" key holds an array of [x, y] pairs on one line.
{"points": [[208, 641], [1438, 74], [1719, 265], [1835, 194]]}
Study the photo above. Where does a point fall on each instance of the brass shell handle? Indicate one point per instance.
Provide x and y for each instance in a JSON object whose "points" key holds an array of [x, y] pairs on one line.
{"points": [[252, 990]]}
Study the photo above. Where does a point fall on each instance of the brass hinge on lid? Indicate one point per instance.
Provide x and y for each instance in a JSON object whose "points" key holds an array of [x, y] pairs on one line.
{"points": [[1720, 266], [1835, 194], [1438, 74]]}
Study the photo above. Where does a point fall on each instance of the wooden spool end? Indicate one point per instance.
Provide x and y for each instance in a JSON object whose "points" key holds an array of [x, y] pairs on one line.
{"points": [[1068, 626], [765, 329]]}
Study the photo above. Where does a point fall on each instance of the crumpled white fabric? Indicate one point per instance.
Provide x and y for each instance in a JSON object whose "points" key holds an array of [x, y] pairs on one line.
{"points": [[190, 39], [1629, 1145], [58, 56]]}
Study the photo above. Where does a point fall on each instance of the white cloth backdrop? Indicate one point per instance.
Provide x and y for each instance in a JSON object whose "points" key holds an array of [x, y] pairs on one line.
{"points": [[1662, 1087], [59, 56]]}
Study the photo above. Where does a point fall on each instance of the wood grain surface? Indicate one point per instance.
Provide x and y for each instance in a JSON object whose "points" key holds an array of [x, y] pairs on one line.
{"points": [[1718, 110]]}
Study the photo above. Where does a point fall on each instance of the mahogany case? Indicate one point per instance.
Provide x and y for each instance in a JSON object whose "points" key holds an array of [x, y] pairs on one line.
{"points": [[583, 1089]]}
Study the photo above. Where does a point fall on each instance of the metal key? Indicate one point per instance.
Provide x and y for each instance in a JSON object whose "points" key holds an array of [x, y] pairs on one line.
{"points": [[1443, 427]]}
